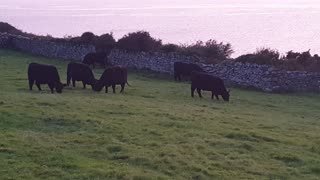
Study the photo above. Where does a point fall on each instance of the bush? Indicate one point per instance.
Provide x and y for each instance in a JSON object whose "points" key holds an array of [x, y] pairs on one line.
{"points": [[261, 56], [168, 48], [301, 61], [105, 43], [293, 61], [292, 55], [211, 50], [139, 41], [305, 58], [88, 38]]}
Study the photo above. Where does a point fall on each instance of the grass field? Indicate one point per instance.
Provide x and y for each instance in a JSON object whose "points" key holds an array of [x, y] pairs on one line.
{"points": [[153, 130]]}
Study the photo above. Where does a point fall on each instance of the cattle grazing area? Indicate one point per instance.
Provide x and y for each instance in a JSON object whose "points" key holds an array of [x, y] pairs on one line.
{"points": [[155, 129]]}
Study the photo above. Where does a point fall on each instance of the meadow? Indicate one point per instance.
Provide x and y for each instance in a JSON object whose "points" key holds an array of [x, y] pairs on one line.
{"points": [[155, 130]]}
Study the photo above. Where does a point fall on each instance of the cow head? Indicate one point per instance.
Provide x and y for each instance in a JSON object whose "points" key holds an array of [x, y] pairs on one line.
{"points": [[97, 86], [93, 82], [59, 87], [226, 95]]}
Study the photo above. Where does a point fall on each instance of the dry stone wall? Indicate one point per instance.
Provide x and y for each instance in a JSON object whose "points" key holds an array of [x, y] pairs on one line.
{"points": [[265, 77], [4, 40], [46, 48], [158, 62], [261, 77]]}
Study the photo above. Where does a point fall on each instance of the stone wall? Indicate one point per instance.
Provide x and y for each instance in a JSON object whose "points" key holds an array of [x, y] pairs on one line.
{"points": [[265, 77], [46, 48], [158, 62], [261, 77], [4, 40]]}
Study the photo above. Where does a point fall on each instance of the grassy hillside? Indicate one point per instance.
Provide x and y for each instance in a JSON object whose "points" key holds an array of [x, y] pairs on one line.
{"points": [[154, 130]]}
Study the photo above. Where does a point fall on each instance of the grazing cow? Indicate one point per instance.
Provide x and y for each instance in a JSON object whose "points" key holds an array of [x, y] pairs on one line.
{"points": [[80, 72], [99, 58], [111, 77], [204, 81], [44, 74], [184, 69]]}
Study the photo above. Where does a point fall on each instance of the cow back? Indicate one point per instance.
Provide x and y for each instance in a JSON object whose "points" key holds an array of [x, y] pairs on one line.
{"points": [[43, 73], [95, 57], [186, 68], [207, 82], [113, 75], [80, 71]]}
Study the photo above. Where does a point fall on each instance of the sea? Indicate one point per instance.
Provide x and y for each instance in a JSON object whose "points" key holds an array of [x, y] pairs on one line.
{"points": [[246, 24]]}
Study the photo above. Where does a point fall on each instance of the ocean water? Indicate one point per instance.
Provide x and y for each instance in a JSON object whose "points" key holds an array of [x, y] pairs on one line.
{"points": [[246, 24]]}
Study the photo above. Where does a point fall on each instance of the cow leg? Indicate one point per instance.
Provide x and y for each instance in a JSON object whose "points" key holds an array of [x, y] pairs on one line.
{"points": [[199, 92], [217, 97], [122, 87], [51, 86], [84, 84], [106, 89], [114, 88], [38, 85], [192, 91], [73, 83], [31, 81], [68, 79], [212, 95]]}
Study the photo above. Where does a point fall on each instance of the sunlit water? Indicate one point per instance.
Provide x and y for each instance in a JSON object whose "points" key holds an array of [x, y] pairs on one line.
{"points": [[246, 24]]}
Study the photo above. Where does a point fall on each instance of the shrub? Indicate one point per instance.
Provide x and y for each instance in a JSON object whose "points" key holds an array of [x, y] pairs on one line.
{"points": [[293, 61], [305, 58], [139, 41], [261, 56], [168, 48], [292, 55], [105, 43], [211, 50], [88, 38], [301, 61]]}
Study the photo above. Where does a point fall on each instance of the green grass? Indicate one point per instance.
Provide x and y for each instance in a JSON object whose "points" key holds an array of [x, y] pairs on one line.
{"points": [[154, 130]]}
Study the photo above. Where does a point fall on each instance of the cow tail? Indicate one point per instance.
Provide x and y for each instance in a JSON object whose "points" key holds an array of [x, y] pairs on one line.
{"points": [[30, 79], [127, 81], [126, 75]]}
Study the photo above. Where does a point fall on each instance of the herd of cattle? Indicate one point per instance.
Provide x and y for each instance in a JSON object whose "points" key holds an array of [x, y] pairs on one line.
{"points": [[117, 75]]}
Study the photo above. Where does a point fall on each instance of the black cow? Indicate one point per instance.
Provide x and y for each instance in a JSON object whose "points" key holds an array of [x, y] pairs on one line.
{"points": [[111, 77], [44, 74], [80, 72], [99, 58], [184, 69], [204, 81]]}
